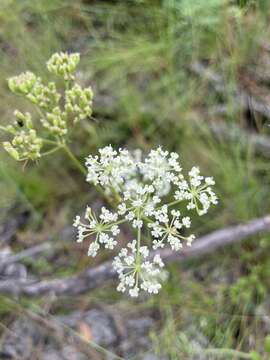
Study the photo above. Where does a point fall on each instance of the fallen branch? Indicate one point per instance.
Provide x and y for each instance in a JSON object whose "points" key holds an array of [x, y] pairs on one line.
{"points": [[28, 253], [91, 278]]}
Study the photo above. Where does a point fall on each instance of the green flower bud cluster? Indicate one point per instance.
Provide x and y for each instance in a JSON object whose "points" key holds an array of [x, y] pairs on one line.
{"points": [[29, 85], [57, 110], [64, 64], [55, 122], [44, 96], [23, 83], [79, 102], [25, 143]]}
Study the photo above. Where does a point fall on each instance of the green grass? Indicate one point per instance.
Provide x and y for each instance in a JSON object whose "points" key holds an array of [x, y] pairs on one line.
{"points": [[137, 56]]}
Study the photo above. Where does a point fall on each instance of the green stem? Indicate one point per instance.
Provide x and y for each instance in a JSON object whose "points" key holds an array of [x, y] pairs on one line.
{"points": [[174, 203], [139, 238], [120, 222], [50, 142], [228, 352], [49, 152], [139, 235], [40, 112], [5, 129], [74, 160], [106, 228]]}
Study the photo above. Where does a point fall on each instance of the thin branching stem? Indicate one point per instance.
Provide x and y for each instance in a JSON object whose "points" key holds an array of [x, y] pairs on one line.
{"points": [[74, 159]]}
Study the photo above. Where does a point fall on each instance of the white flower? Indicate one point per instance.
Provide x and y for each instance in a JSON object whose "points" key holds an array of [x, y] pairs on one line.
{"points": [[115, 230], [157, 260], [134, 292], [93, 248], [77, 220], [139, 186], [111, 169], [130, 216], [158, 244], [122, 209], [209, 181], [107, 216], [161, 168], [137, 223], [175, 242], [133, 276], [197, 192], [100, 228], [190, 239], [168, 229], [186, 221]]}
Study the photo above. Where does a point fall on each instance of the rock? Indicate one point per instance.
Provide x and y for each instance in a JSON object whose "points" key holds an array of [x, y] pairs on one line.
{"points": [[105, 334], [20, 341], [66, 353], [136, 340], [25, 335], [99, 322], [16, 271], [52, 355]]}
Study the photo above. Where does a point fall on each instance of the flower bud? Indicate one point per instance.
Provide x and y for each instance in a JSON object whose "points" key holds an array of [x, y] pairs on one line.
{"points": [[11, 150], [23, 83], [79, 102], [63, 64]]}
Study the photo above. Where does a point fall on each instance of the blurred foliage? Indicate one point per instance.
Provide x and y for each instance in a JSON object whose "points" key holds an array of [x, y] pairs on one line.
{"points": [[137, 56]]}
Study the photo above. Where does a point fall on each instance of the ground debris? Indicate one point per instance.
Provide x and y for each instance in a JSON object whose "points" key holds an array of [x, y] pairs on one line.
{"points": [[63, 338], [12, 270]]}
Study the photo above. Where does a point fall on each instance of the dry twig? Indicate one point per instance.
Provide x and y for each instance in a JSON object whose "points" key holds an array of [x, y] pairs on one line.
{"points": [[91, 278]]}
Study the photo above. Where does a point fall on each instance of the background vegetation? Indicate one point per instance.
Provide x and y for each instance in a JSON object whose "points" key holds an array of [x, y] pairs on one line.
{"points": [[140, 57]]}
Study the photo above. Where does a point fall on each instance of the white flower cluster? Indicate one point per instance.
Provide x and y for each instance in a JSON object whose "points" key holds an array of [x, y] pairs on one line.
{"points": [[137, 271], [111, 169], [197, 191], [105, 229], [168, 229], [139, 186]]}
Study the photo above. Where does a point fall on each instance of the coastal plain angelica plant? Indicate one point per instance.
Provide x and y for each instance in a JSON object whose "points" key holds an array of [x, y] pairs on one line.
{"points": [[137, 185]]}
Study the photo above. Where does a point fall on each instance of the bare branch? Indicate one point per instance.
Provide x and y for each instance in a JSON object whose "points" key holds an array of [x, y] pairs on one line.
{"points": [[30, 252], [91, 278]]}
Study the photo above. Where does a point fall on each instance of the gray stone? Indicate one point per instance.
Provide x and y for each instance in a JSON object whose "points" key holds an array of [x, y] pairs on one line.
{"points": [[66, 353], [100, 323], [20, 341], [16, 271]]}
